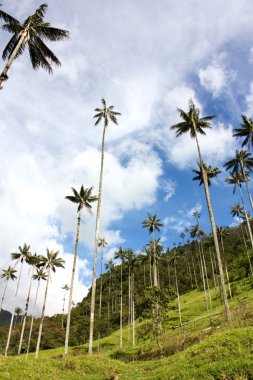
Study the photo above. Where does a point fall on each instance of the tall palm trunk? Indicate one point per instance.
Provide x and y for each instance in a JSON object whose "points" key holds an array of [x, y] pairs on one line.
{"points": [[72, 284], [129, 302], [25, 314], [13, 312], [42, 317], [133, 310], [93, 289], [211, 259], [121, 305], [246, 216], [213, 225], [247, 184], [194, 272], [203, 276], [31, 326], [178, 295], [63, 309], [2, 300], [205, 271], [246, 248], [100, 296]]}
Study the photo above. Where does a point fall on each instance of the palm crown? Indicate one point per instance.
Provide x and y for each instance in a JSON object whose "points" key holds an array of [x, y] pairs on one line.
{"points": [[236, 210], [209, 171], [192, 122], [9, 273], [242, 159], [106, 113], [236, 179], [35, 31], [51, 261], [83, 198], [246, 131], [24, 253], [152, 223], [197, 232]]}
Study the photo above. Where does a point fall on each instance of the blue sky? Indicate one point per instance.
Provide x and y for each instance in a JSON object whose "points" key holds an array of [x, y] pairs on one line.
{"points": [[146, 61]]}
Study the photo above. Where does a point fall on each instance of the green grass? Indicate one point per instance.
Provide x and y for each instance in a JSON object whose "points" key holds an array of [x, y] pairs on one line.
{"points": [[200, 351]]}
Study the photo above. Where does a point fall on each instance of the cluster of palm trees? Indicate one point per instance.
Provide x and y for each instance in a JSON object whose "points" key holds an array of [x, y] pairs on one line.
{"points": [[44, 266]]}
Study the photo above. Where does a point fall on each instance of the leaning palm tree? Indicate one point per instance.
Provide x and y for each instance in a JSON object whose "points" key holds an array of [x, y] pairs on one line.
{"points": [[243, 160], [49, 262], [106, 114], [31, 33], [121, 254], [21, 256], [66, 289], [33, 260], [237, 179], [193, 124], [40, 275], [8, 274], [84, 199], [245, 131], [237, 210]]}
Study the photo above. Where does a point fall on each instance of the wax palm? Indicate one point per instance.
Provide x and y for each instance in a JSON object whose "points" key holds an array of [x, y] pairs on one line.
{"points": [[49, 262], [31, 33], [236, 210], [121, 254], [245, 131], [195, 125], [210, 173], [66, 289], [40, 275], [237, 179], [243, 160], [223, 232], [8, 274], [20, 257], [153, 224], [102, 244], [174, 256], [83, 199], [32, 260], [110, 267], [107, 114]]}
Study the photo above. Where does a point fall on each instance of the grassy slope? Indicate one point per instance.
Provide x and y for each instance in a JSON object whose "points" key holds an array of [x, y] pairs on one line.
{"points": [[225, 353]]}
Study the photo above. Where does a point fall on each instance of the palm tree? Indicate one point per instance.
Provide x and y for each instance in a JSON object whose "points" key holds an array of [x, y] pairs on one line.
{"points": [[33, 260], [22, 256], [102, 244], [8, 274], [243, 160], [222, 234], [106, 114], [121, 254], [109, 266], [237, 210], [49, 262], [210, 173], [198, 233], [84, 199], [193, 124], [40, 275], [245, 131], [66, 289], [18, 311], [236, 179], [153, 224], [32, 32]]}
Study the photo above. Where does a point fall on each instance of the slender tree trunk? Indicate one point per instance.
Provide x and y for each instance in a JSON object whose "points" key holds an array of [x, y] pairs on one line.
{"points": [[2, 300], [121, 306], [133, 310], [194, 272], [178, 295], [25, 314], [213, 225], [246, 248], [247, 185], [144, 275], [205, 271], [211, 259], [72, 285], [129, 302], [12, 56], [93, 290], [190, 273], [31, 326], [246, 215], [100, 296], [150, 271], [203, 277], [42, 318], [13, 312], [63, 309]]}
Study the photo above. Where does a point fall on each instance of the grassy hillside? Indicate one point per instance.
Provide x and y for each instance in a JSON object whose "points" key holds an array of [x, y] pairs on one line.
{"points": [[205, 349]]}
